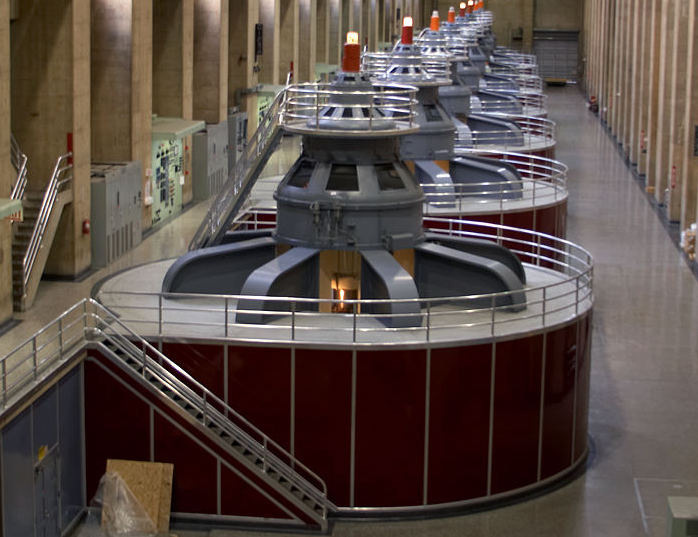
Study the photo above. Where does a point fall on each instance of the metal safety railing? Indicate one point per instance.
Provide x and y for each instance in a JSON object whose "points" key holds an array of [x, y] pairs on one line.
{"points": [[89, 324], [377, 65], [60, 178], [566, 293], [538, 133], [382, 110], [543, 182], [19, 162], [525, 83], [532, 104]]}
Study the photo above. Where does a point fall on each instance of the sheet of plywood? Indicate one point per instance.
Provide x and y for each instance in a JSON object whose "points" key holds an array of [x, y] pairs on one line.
{"points": [[151, 484]]}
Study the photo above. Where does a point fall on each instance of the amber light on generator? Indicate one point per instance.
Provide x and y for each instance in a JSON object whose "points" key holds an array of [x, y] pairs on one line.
{"points": [[407, 31], [351, 62]]}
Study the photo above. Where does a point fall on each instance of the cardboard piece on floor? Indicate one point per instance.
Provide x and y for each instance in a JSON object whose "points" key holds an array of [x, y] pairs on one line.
{"points": [[151, 484]]}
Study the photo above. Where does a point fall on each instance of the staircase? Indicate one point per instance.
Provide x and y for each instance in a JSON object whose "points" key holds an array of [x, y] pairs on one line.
{"points": [[33, 365], [304, 491], [242, 177], [32, 238]]}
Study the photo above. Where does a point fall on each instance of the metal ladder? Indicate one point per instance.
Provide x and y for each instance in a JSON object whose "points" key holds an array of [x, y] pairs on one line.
{"points": [[241, 178], [237, 436]]}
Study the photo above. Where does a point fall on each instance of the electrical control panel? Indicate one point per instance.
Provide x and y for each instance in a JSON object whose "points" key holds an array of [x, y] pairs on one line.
{"points": [[167, 178], [115, 216], [210, 160]]}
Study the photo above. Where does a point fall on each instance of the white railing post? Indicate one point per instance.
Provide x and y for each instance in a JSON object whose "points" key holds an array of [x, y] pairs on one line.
{"points": [[160, 322], [576, 296], [4, 382], [354, 324], [225, 330], [293, 320], [60, 335], [428, 320], [205, 409], [34, 359], [264, 454], [544, 304]]}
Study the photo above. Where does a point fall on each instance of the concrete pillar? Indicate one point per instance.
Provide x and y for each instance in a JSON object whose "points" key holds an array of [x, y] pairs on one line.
{"points": [[661, 147], [614, 79], [141, 90], [315, 24], [652, 115], [173, 60], [211, 60], [677, 102], [643, 87], [528, 21], [334, 29], [284, 39], [268, 15], [6, 171], [689, 198], [632, 80], [252, 63], [323, 34], [50, 99], [305, 39], [240, 29]]}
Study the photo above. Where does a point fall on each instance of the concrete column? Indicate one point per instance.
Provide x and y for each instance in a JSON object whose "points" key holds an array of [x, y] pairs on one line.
{"points": [[652, 114], [50, 99], [141, 90], [661, 147], [689, 188], [334, 29], [615, 62], [608, 63], [633, 81], [240, 59], [316, 24], [643, 87], [252, 71], [677, 120], [323, 34], [528, 21], [7, 175], [173, 45], [284, 39], [211, 60]]}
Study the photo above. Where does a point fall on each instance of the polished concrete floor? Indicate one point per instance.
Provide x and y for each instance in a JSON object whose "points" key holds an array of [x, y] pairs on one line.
{"points": [[644, 406]]}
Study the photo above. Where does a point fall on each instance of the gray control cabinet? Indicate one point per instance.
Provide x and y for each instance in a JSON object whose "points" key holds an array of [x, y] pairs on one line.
{"points": [[237, 135], [209, 160], [116, 210]]}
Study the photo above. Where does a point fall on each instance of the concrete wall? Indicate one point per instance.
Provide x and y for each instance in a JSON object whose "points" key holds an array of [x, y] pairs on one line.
{"points": [[514, 18], [6, 173], [50, 101], [639, 56]]}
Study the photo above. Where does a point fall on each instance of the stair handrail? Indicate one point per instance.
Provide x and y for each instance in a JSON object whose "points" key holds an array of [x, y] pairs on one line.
{"points": [[59, 178], [155, 361], [237, 177], [19, 161], [96, 321]]}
